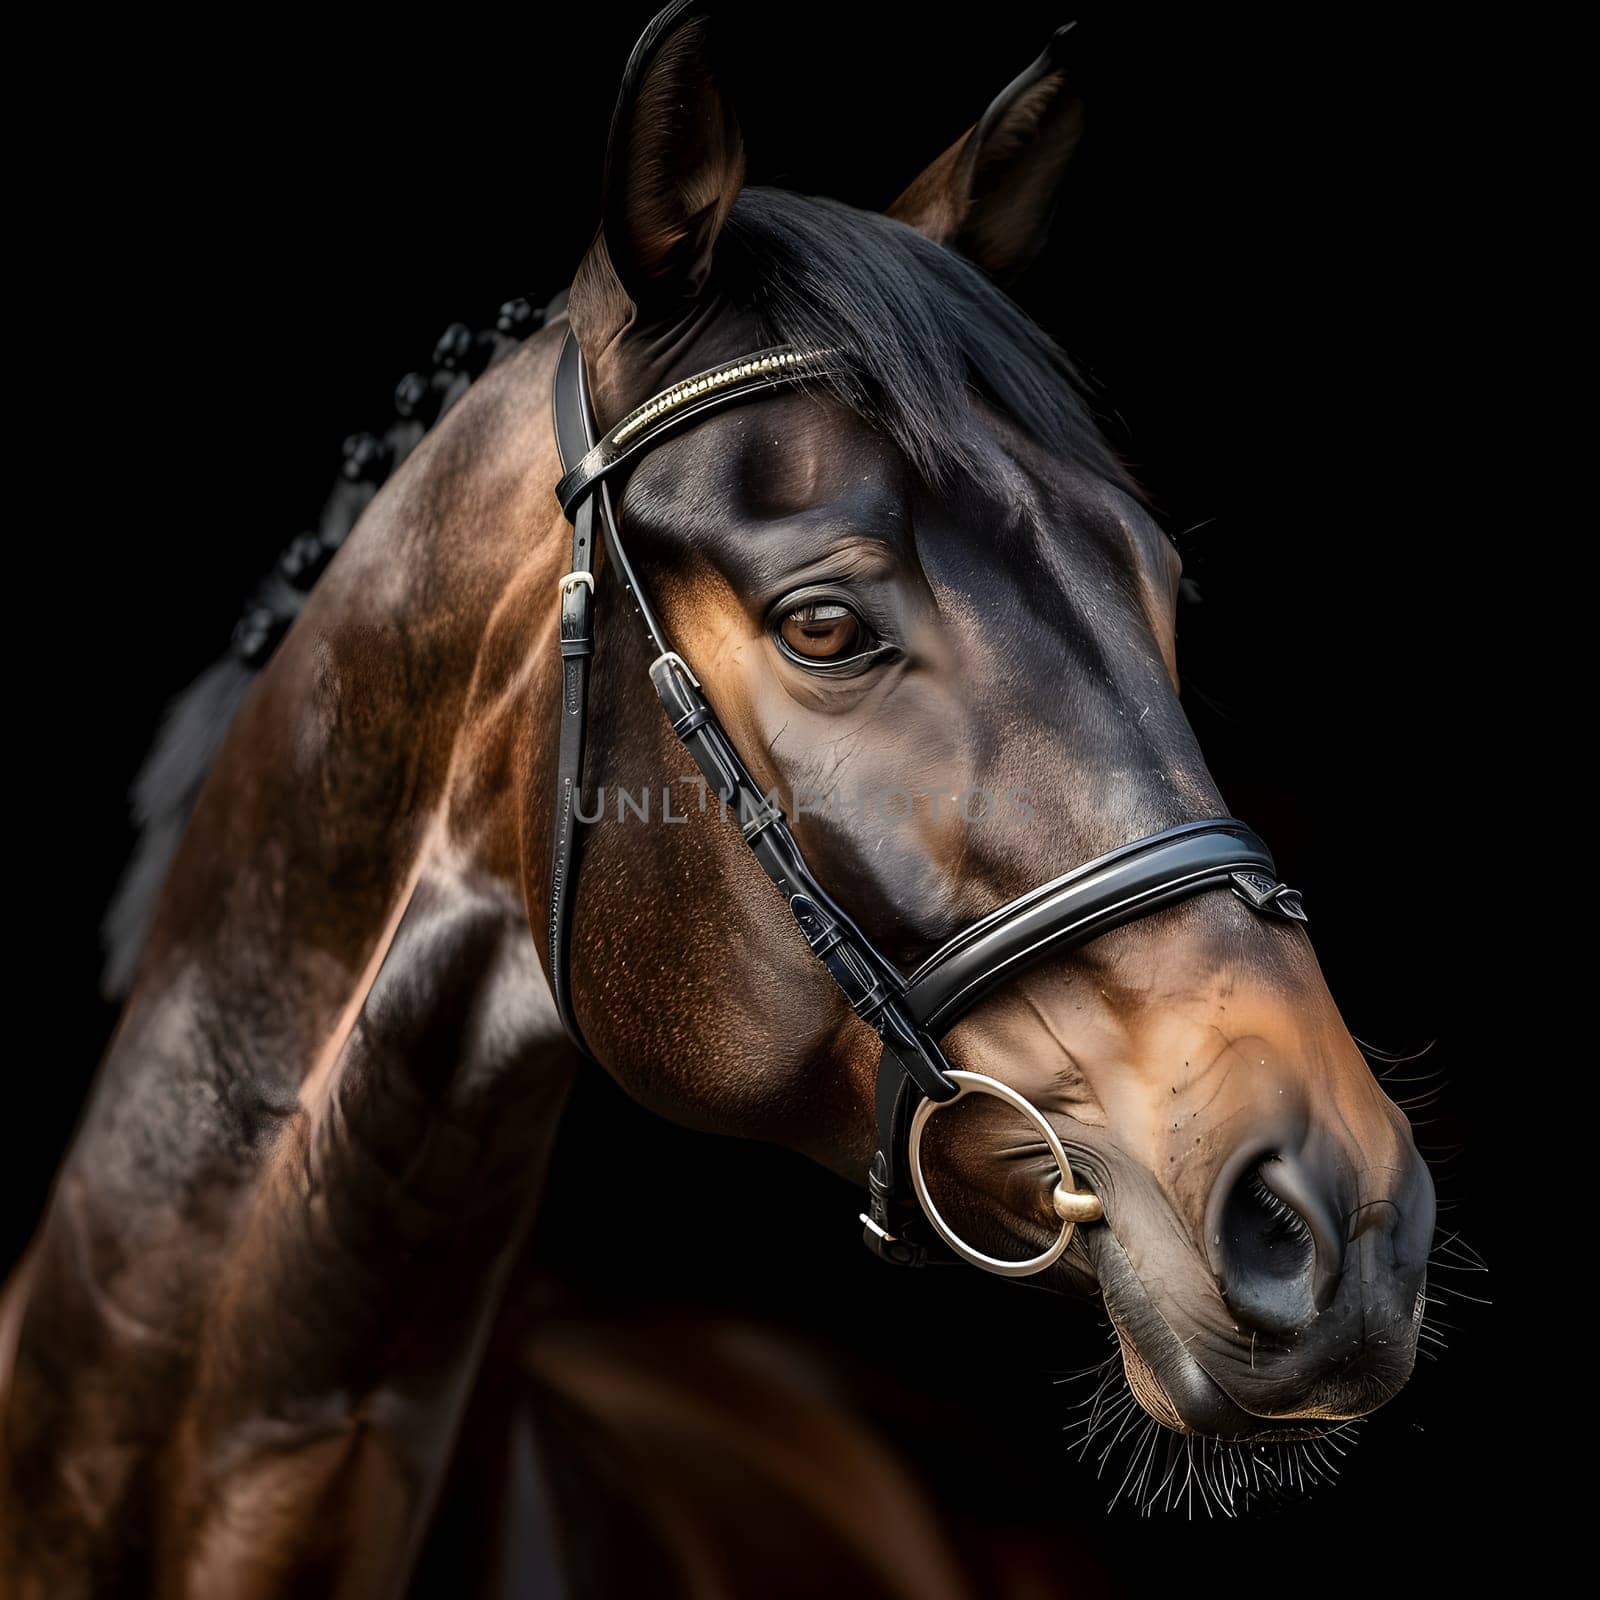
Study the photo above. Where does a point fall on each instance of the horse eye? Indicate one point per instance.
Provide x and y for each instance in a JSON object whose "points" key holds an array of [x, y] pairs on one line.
{"points": [[822, 631]]}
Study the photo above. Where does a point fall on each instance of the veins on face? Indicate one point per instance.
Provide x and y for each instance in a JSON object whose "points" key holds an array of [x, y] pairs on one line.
{"points": [[1070, 1088]]}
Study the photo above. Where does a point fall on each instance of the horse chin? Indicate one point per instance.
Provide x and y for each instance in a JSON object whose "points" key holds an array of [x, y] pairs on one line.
{"points": [[1166, 1380]]}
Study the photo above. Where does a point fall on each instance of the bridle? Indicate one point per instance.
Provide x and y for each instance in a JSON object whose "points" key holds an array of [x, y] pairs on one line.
{"points": [[909, 1014]]}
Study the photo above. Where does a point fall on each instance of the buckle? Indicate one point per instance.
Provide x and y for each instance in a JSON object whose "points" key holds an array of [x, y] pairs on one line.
{"points": [[887, 1247], [677, 661], [766, 815], [1260, 893], [572, 580], [872, 1227]]}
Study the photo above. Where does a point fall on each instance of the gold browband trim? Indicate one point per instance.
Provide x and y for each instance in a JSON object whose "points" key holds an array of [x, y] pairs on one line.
{"points": [[753, 374], [680, 394]]}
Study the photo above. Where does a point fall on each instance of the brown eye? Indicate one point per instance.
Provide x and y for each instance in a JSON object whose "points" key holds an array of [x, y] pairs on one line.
{"points": [[822, 631]]}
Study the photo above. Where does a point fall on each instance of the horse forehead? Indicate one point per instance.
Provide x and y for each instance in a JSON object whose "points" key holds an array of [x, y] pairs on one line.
{"points": [[784, 456], [770, 458]]}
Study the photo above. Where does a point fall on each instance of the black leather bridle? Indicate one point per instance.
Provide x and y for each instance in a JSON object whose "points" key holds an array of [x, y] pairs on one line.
{"points": [[910, 1014]]}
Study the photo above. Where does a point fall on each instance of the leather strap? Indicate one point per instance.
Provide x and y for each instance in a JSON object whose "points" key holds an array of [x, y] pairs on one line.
{"points": [[577, 651], [572, 416], [868, 981], [1118, 887]]}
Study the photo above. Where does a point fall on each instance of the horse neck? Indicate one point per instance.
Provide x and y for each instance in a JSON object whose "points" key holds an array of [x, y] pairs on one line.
{"points": [[380, 767], [339, 1071]]}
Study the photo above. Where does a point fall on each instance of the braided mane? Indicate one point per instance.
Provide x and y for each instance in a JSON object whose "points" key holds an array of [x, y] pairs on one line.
{"points": [[197, 719]]}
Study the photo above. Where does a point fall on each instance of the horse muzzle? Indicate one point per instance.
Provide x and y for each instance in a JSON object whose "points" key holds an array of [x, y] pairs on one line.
{"points": [[1198, 1365]]}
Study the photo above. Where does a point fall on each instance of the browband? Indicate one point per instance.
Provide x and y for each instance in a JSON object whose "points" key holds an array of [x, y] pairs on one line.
{"points": [[682, 405], [909, 1015]]}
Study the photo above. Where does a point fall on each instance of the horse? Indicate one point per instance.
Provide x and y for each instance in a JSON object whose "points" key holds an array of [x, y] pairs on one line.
{"points": [[909, 569]]}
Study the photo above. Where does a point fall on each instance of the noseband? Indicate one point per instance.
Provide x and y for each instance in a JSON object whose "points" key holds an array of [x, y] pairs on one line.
{"points": [[909, 1014]]}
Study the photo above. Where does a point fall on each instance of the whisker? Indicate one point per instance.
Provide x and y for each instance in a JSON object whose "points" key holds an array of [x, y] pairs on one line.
{"points": [[1390, 1057]]}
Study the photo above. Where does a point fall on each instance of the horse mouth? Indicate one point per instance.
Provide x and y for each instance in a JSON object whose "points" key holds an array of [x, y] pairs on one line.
{"points": [[1166, 1380]]}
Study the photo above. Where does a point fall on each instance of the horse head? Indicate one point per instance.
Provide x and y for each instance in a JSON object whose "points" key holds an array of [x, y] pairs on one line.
{"points": [[933, 616]]}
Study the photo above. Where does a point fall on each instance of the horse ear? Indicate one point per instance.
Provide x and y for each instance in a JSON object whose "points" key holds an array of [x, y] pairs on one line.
{"points": [[674, 165], [992, 193]]}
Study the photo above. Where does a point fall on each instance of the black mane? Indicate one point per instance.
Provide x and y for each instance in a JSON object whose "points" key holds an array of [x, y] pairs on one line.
{"points": [[919, 327]]}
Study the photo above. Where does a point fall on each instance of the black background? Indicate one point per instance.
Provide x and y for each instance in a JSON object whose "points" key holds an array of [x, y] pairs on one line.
{"points": [[1262, 254]]}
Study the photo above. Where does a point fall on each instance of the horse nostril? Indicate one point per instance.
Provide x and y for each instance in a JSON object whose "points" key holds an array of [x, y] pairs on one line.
{"points": [[1274, 1270]]}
